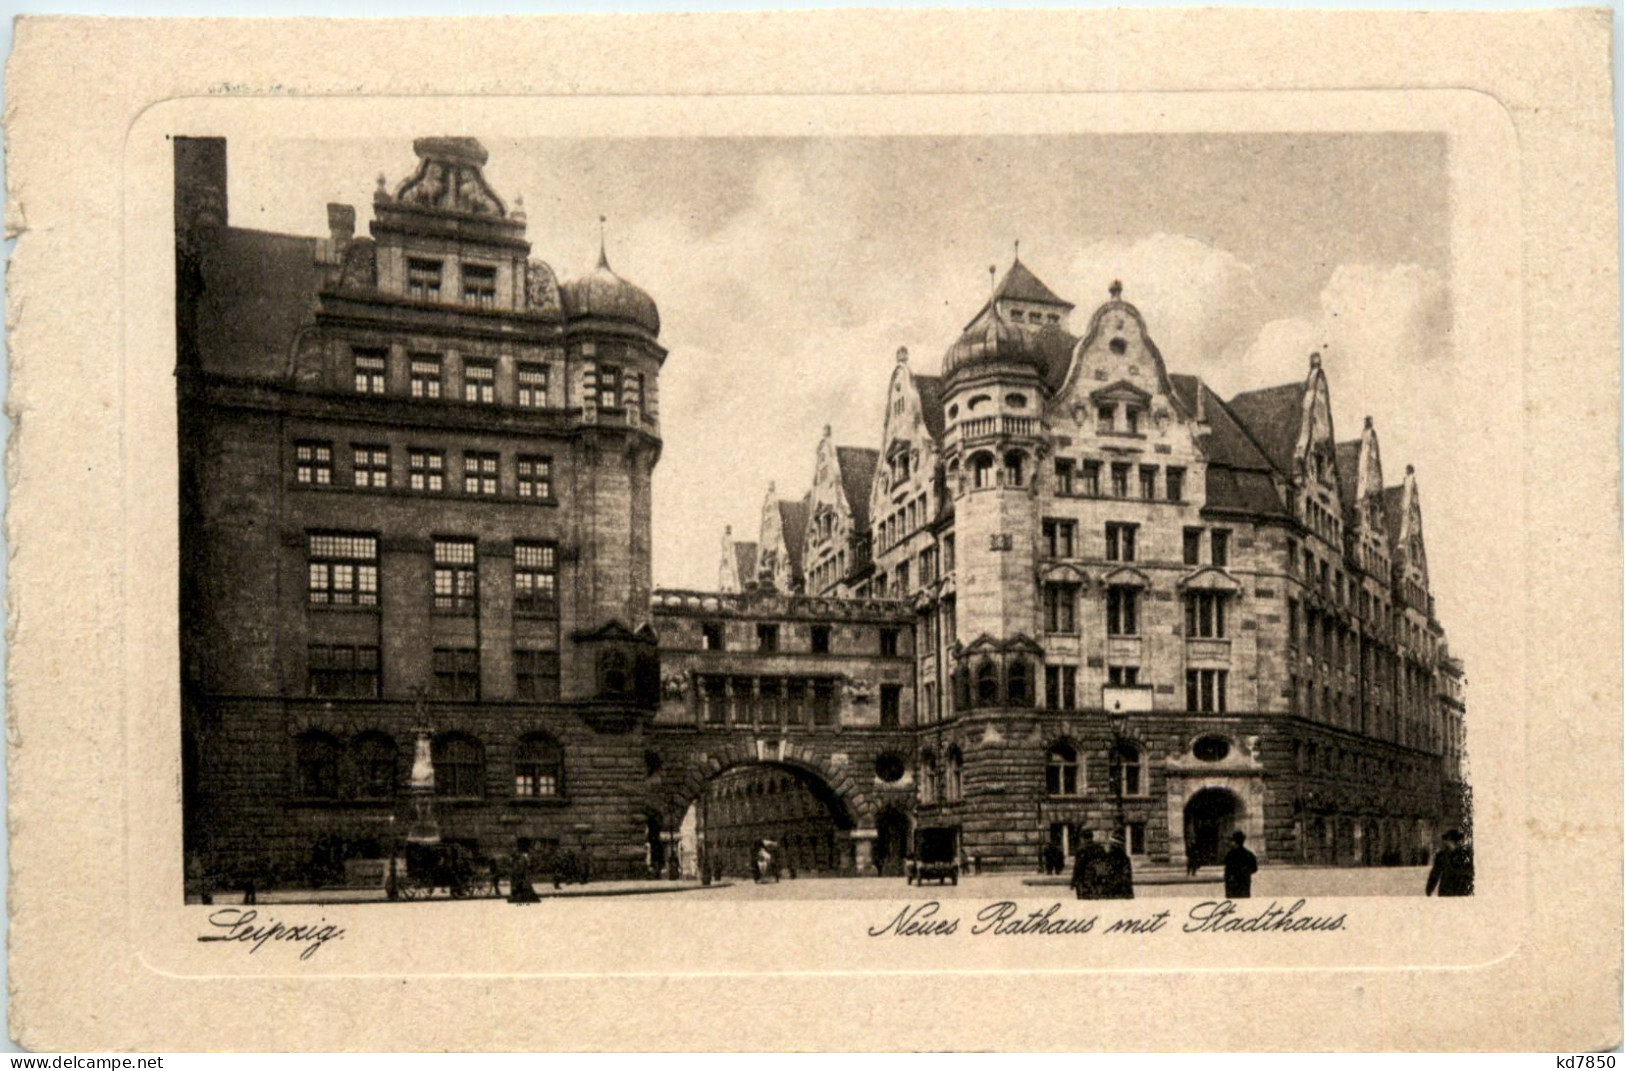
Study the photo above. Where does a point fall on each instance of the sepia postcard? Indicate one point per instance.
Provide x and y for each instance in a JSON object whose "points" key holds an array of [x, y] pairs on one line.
{"points": [[522, 528]]}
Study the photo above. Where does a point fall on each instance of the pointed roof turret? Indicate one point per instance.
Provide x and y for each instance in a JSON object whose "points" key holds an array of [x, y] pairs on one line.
{"points": [[605, 294]]}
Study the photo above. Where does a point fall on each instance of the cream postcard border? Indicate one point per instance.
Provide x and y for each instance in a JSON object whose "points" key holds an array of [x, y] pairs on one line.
{"points": [[106, 956]]}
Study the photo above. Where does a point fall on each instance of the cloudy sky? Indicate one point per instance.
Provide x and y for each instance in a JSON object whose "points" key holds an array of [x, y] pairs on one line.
{"points": [[789, 271]]}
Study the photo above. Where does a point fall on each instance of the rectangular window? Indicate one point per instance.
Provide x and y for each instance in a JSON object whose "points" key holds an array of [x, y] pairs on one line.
{"points": [[1106, 418], [1119, 479], [1193, 546], [1292, 622], [342, 672], [536, 478], [1122, 612], [888, 641], [609, 387], [1123, 676], [425, 376], [1136, 830], [479, 382], [1133, 416], [536, 578], [1091, 479], [371, 466], [456, 673], [1148, 482], [426, 470], [1205, 690], [1204, 615], [891, 705], [712, 636], [313, 463], [371, 370], [456, 585], [947, 554], [1174, 484], [1120, 539], [1060, 608], [902, 579], [1064, 471], [479, 473], [1060, 539], [343, 570], [532, 383], [479, 285], [795, 702], [1221, 546], [423, 279], [714, 700], [767, 638], [1061, 687], [536, 675], [823, 703]]}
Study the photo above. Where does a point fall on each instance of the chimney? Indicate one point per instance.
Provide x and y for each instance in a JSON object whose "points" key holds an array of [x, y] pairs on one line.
{"points": [[340, 223]]}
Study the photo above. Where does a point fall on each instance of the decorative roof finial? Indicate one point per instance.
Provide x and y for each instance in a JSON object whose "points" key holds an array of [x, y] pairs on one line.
{"points": [[1368, 420], [518, 207], [1018, 248], [603, 257], [1410, 470], [1116, 289], [828, 431], [902, 354], [382, 192], [1314, 360]]}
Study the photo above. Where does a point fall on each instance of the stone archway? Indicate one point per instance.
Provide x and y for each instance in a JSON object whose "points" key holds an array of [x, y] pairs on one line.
{"points": [[1211, 815]]}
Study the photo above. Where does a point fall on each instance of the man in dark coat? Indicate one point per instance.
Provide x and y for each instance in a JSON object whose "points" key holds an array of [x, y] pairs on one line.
{"points": [[1117, 882], [1239, 867], [1452, 873], [1087, 866]]}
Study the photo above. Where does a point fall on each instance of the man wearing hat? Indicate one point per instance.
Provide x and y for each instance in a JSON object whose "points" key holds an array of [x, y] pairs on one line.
{"points": [[1088, 866], [1452, 873], [1119, 871], [1239, 867]]}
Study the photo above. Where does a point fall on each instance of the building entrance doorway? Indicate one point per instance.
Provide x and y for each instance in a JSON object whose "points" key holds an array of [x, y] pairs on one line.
{"points": [[891, 841], [1210, 817]]}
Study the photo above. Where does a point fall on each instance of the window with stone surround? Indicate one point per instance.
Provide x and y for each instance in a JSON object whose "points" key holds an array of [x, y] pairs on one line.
{"points": [[532, 383], [342, 671], [318, 765], [1123, 676], [536, 578], [536, 675], [536, 478], [313, 463], [1193, 546], [425, 376], [1061, 770], [891, 705], [1205, 690], [343, 569], [459, 766], [423, 279], [480, 472], [1060, 608], [371, 466], [1122, 611], [456, 585], [1148, 482], [1120, 472], [1131, 767], [426, 470], [823, 703], [1220, 546], [479, 285], [456, 673], [538, 768], [479, 382], [1064, 473], [1060, 538], [371, 371], [1204, 615], [1174, 484], [1120, 542], [1090, 484], [377, 765], [1061, 687]]}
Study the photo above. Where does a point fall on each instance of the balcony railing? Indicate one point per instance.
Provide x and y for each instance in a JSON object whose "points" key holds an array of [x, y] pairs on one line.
{"points": [[983, 427]]}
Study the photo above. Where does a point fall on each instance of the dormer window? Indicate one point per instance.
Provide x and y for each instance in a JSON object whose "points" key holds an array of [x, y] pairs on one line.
{"points": [[1132, 416], [1016, 401], [479, 285], [1106, 417], [423, 279]]}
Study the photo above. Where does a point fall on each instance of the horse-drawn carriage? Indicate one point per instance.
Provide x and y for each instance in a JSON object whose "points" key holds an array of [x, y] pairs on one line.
{"points": [[431, 867]]}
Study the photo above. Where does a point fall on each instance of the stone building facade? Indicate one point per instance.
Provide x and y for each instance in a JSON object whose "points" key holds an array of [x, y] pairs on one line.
{"points": [[1069, 588]]}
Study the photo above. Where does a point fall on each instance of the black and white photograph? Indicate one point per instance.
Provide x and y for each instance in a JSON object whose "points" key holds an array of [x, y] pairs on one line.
{"points": [[710, 516]]}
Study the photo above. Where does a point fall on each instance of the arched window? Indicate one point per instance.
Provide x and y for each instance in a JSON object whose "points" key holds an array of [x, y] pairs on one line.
{"points": [[1132, 768], [981, 470], [956, 764], [1015, 469], [987, 684], [928, 777], [1061, 770], [1020, 678], [376, 766], [318, 755], [459, 766], [538, 768], [962, 700]]}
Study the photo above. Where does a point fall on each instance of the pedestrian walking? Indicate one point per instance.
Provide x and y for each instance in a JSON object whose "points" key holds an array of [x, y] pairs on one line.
{"points": [[1193, 858], [520, 890], [1239, 867], [1088, 867], [1118, 871], [1452, 873]]}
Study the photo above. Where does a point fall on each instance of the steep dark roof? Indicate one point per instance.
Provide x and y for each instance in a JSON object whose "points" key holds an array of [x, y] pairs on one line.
{"points": [[1273, 417], [1348, 477], [1239, 476], [1053, 347], [857, 465], [1020, 284], [930, 389], [745, 562], [258, 291], [793, 522]]}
